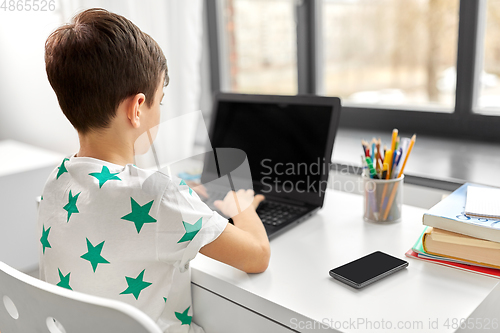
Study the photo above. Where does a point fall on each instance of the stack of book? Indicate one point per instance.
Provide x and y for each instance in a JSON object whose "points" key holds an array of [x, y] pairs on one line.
{"points": [[458, 237]]}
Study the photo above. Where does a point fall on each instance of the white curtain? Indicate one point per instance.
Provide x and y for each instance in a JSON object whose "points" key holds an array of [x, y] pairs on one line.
{"points": [[29, 112]]}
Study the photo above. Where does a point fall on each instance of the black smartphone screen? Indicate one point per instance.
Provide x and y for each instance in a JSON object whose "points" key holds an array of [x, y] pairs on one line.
{"points": [[368, 269]]}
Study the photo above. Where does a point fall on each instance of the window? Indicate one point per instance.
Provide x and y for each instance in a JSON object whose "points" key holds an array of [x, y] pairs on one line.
{"points": [[422, 66], [391, 52], [259, 38], [489, 74]]}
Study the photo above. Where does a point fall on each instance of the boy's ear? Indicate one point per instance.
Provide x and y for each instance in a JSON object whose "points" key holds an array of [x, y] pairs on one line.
{"points": [[134, 111]]}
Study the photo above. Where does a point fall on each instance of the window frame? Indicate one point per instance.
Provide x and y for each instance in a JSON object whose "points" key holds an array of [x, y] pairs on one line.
{"points": [[461, 123]]}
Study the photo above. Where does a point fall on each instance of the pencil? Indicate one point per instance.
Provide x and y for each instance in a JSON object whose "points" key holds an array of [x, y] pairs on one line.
{"points": [[386, 166], [373, 152], [394, 189], [393, 149], [364, 144], [412, 142], [380, 161]]}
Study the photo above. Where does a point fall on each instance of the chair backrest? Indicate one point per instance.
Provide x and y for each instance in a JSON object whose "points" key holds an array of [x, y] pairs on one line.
{"points": [[28, 304]]}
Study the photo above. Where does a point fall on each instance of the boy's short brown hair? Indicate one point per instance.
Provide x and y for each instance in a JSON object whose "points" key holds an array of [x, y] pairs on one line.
{"points": [[97, 61]]}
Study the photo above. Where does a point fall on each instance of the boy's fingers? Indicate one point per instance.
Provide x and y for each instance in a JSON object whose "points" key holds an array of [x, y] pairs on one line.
{"points": [[257, 200]]}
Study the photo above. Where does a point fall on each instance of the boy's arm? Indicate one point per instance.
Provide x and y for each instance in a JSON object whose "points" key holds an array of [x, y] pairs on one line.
{"points": [[243, 245]]}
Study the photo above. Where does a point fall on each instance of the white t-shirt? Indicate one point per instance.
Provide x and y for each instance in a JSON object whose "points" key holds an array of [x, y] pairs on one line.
{"points": [[124, 233]]}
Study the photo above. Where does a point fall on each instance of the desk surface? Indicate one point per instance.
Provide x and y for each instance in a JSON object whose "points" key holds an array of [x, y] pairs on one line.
{"points": [[297, 285]]}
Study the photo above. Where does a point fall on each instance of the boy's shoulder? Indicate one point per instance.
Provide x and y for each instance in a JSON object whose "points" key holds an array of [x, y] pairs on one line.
{"points": [[95, 174]]}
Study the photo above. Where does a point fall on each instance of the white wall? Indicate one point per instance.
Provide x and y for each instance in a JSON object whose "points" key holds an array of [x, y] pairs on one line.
{"points": [[29, 111]]}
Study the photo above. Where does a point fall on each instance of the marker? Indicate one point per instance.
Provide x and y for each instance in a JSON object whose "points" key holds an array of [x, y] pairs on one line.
{"points": [[363, 165], [373, 172]]}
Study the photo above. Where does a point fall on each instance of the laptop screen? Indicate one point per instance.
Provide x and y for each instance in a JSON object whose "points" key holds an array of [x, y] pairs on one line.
{"points": [[286, 144]]}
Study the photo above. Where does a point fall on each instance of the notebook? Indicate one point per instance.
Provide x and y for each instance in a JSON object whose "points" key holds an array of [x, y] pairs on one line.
{"points": [[449, 214], [288, 143], [483, 202]]}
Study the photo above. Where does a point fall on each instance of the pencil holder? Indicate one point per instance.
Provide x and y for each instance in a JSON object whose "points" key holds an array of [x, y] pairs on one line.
{"points": [[383, 199]]}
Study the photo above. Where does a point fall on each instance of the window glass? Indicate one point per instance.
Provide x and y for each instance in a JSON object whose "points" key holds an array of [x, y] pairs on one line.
{"points": [[260, 46], [391, 52], [489, 82]]}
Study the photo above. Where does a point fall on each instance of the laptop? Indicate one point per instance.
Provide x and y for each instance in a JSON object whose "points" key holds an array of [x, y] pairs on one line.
{"points": [[286, 141]]}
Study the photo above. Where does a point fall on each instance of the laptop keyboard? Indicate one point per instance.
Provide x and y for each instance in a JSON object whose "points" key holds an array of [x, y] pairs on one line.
{"points": [[271, 213], [275, 213]]}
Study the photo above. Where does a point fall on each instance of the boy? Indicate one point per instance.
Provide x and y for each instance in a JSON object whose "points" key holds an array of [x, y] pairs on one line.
{"points": [[107, 227]]}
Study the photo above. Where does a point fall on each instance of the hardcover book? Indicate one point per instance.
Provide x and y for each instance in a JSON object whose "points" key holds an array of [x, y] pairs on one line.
{"points": [[449, 214], [418, 252], [465, 248]]}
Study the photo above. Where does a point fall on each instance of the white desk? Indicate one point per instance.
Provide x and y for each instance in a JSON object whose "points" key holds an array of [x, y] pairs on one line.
{"points": [[296, 288]]}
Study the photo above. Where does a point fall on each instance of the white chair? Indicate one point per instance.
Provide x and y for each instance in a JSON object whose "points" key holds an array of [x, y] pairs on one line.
{"points": [[29, 305]]}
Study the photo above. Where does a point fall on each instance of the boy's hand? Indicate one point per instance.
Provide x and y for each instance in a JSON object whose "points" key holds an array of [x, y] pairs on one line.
{"points": [[245, 244], [236, 202]]}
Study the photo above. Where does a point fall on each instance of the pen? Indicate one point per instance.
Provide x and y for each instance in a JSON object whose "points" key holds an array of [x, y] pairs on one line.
{"points": [[397, 159], [404, 144]]}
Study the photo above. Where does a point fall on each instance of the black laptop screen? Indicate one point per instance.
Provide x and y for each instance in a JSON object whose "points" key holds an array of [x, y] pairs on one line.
{"points": [[285, 143]]}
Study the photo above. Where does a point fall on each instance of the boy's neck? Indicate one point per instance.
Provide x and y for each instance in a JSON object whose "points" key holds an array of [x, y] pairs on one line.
{"points": [[104, 148]]}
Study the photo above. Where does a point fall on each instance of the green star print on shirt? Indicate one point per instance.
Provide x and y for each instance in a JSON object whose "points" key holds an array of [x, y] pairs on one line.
{"points": [[45, 238], [62, 168], [94, 254], [183, 317], [139, 214], [124, 236], [184, 183], [71, 205], [135, 286], [191, 230], [64, 280], [104, 175]]}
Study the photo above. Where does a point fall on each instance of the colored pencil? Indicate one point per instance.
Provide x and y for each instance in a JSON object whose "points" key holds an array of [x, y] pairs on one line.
{"points": [[394, 189]]}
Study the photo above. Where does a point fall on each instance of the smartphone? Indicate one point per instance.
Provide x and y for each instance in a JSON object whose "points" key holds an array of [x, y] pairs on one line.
{"points": [[368, 269]]}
